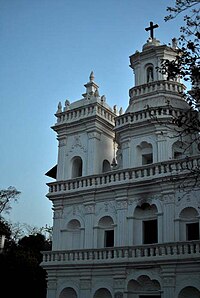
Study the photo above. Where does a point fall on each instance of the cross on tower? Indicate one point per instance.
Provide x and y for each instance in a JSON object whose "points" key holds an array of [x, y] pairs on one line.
{"points": [[150, 28]]}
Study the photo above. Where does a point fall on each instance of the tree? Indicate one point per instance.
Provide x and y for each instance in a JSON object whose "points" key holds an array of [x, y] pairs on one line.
{"points": [[186, 66], [20, 264], [6, 196], [187, 62]]}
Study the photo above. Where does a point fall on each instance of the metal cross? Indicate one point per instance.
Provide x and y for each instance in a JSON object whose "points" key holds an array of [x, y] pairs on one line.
{"points": [[150, 28]]}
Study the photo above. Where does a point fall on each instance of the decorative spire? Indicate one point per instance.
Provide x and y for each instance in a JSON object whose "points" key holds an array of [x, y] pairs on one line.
{"points": [[59, 108], [92, 76], [91, 88]]}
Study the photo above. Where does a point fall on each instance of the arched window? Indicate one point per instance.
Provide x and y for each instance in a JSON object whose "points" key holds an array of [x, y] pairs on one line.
{"points": [[142, 286], [102, 293], [145, 151], [150, 74], [189, 292], [146, 224], [77, 167], [179, 150], [106, 166], [189, 224], [106, 232], [68, 292], [73, 234]]}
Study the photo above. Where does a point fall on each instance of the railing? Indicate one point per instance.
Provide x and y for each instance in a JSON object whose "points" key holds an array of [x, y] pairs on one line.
{"points": [[156, 86], [130, 175], [85, 112], [151, 252], [151, 113]]}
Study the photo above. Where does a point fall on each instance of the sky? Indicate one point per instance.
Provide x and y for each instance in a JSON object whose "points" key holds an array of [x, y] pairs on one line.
{"points": [[48, 50]]}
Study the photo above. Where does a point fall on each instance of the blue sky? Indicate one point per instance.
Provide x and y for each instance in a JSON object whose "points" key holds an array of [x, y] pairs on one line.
{"points": [[48, 49]]}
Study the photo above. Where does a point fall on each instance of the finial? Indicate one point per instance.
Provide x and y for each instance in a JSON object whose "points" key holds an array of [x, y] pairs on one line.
{"points": [[115, 109], [59, 108], [92, 76], [151, 28], [96, 93], [67, 104]]}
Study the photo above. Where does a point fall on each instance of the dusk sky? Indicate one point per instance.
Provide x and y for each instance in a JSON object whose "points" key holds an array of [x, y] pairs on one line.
{"points": [[48, 49]]}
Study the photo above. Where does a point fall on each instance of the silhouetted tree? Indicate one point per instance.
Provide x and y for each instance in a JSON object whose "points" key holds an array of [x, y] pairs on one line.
{"points": [[6, 196], [20, 264], [187, 64]]}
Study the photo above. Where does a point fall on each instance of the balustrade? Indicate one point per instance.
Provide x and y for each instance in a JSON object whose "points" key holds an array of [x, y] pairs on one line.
{"points": [[167, 251], [155, 170], [84, 112]]}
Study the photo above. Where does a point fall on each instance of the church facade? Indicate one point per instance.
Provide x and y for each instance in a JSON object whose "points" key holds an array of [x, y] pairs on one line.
{"points": [[124, 224]]}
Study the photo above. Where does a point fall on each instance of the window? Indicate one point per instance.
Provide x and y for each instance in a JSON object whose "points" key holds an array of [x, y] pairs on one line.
{"points": [[109, 238], [147, 159], [150, 74], [106, 166], [192, 230], [189, 224], [105, 236], [77, 167], [150, 231], [145, 153]]}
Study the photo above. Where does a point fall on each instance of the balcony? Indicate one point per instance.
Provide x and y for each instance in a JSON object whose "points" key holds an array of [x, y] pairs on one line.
{"points": [[168, 169], [132, 254], [156, 87]]}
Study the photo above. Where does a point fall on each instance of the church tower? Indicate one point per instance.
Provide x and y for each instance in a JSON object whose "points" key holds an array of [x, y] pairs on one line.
{"points": [[123, 225], [85, 135]]}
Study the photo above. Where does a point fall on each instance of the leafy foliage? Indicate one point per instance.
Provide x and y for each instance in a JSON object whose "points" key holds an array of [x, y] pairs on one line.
{"points": [[6, 196], [186, 65]]}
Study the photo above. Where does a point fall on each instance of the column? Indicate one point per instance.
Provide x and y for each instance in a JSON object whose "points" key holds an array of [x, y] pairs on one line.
{"points": [[168, 217], [168, 284], [93, 153], [61, 159], [89, 224], [119, 286], [122, 231], [51, 288], [85, 287]]}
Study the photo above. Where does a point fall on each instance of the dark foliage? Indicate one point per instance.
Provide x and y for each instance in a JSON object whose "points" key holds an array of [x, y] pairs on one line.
{"points": [[20, 263]]}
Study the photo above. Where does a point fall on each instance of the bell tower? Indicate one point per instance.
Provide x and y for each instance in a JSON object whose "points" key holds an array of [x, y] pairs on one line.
{"points": [[143, 132], [85, 135]]}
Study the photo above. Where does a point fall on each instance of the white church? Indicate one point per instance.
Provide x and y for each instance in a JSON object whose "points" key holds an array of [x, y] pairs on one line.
{"points": [[125, 224]]}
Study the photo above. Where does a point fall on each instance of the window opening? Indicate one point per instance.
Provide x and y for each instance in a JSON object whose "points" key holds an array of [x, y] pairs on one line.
{"points": [[109, 238], [149, 74], [192, 230], [77, 167], [147, 159], [150, 231], [106, 166]]}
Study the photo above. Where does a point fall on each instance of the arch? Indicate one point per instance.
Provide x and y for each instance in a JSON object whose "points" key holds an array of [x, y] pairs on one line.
{"points": [[189, 292], [146, 223], [142, 285], [68, 292], [74, 224], [105, 237], [102, 292], [179, 150], [145, 151], [106, 166], [73, 237], [149, 73], [189, 224], [77, 167]]}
